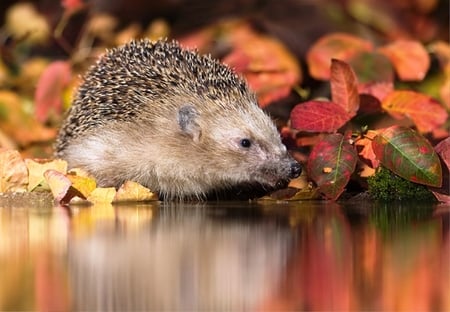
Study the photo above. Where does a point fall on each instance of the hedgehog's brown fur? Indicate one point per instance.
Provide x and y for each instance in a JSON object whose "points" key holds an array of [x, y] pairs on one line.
{"points": [[172, 120]]}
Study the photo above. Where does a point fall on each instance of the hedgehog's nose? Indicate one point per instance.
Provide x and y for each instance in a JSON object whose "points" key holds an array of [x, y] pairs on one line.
{"points": [[295, 170]]}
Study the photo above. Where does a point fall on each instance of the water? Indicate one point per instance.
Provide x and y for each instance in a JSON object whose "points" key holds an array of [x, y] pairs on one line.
{"points": [[225, 256]]}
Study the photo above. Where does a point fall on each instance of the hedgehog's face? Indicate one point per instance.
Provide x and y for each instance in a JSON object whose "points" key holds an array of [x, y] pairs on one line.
{"points": [[244, 147]]}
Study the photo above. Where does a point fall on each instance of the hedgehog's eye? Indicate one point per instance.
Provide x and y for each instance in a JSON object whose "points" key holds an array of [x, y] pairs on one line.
{"points": [[246, 143]]}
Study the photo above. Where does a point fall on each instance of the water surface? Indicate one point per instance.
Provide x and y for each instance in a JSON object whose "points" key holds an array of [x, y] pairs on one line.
{"points": [[225, 256]]}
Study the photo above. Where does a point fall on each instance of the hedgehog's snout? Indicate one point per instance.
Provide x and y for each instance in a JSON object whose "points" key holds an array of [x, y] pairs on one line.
{"points": [[295, 170]]}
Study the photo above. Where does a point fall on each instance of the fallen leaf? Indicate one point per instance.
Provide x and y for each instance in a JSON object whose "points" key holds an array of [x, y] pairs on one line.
{"points": [[364, 146], [443, 149], [102, 195], [24, 22], [344, 86], [426, 113], [372, 67], [13, 172], [50, 88], [72, 6], [84, 185], [409, 58], [318, 116], [132, 191], [270, 69], [409, 155], [333, 46], [331, 163], [18, 123], [268, 66], [37, 168], [59, 185], [379, 90]]}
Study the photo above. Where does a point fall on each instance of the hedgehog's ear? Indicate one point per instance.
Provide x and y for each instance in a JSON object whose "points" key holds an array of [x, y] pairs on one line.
{"points": [[187, 121]]}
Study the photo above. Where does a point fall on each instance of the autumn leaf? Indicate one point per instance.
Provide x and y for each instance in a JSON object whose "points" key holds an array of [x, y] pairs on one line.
{"points": [[344, 87], [318, 116], [443, 149], [331, 163], [133, 191], [18, 123], [269, 68], [409, 155], [13, 172], [72, 6], [379, 90], [102, 195], [37, 168], [426, 113], [83, 184], [364, 146], [372, 67], [60, 186], [409, 58], [338, 46], [49, 89]]}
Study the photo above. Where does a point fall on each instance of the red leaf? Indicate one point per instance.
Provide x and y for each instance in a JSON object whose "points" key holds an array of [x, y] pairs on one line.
{"points": [[443, 149], [410, 59], [49, 89], [344, 86], [377, 89], [339, 46], [72, 6], [331, 163], [318, 116], [426, 113], [409, 155]]}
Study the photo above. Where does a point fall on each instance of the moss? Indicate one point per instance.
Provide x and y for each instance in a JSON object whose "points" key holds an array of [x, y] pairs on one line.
{"points": [[387, 186]]}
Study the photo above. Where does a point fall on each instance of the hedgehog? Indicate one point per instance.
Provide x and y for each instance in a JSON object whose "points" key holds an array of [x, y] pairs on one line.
{"points": [[178, 122]]}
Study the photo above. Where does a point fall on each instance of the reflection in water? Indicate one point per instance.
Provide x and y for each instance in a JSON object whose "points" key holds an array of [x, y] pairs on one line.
{"points": [[297, 256], [188, 262]]}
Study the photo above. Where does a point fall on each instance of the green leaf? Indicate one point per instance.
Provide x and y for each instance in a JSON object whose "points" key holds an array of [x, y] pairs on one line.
{"points": [[331, 163], [409, 155]]}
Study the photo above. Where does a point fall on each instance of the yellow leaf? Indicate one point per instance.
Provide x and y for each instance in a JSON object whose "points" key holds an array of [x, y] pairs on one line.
{"points": [[13, 172], [132, 191], [84, 185], [37, 168], [102, 195]]}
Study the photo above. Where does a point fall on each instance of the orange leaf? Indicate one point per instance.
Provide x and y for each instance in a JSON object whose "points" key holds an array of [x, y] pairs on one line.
{"points": [[13, 172], [409, 58], [50, 87], [18, 123], [270, 69], [365, 149], [426, 113], [338, 46], [344, 86]]}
